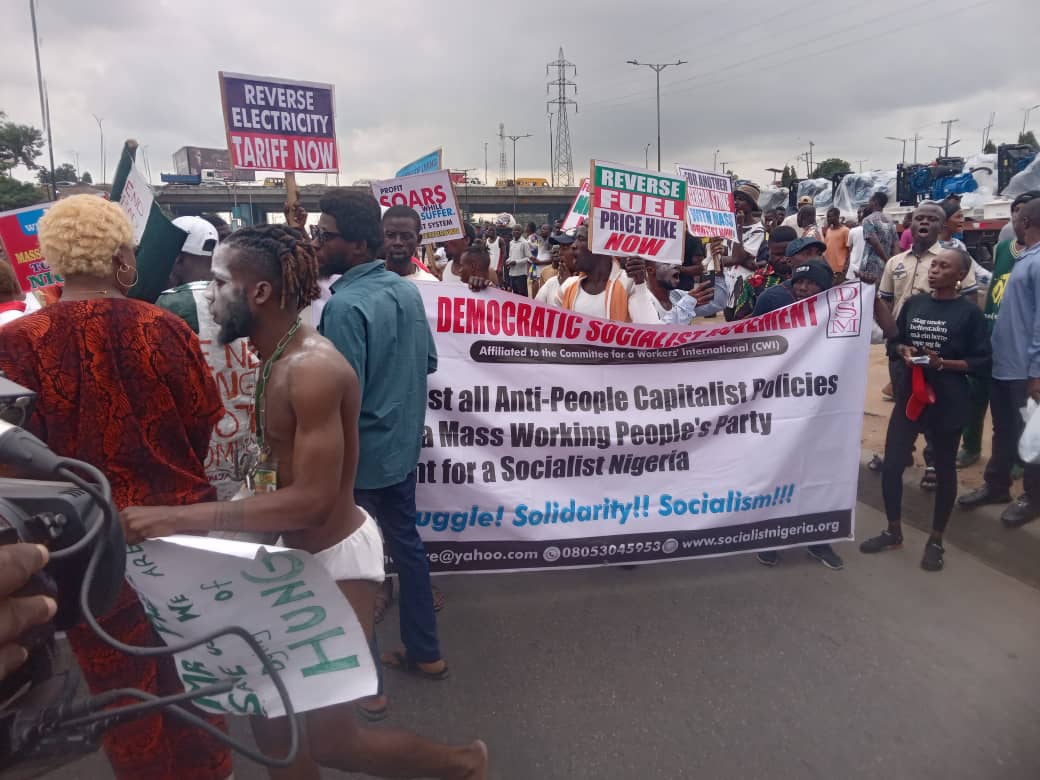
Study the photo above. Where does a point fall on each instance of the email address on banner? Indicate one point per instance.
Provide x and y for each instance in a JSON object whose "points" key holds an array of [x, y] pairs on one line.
{"points": [[458, 557]]}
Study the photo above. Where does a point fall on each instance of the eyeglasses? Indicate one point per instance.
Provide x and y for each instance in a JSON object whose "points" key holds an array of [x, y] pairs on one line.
{"points": [[324, 236]]}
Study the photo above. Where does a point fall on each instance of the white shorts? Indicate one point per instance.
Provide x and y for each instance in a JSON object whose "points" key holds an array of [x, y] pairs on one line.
{"points": [[358, 557]]}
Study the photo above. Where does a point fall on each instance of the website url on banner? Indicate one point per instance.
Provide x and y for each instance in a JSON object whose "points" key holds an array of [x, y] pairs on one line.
{"points": [[511, 555]]}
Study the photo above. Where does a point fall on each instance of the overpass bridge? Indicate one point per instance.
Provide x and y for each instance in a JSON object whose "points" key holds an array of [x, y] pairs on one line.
{"points": [[252, 204]]}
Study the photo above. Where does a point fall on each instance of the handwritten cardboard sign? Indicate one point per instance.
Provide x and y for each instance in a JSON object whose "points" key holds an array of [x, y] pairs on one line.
{"points": [[709, 204], [191, 585], [136, 201]]}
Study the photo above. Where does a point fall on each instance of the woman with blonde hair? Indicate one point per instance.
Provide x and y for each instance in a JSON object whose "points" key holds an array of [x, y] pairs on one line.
{"points": [[123, 385]]}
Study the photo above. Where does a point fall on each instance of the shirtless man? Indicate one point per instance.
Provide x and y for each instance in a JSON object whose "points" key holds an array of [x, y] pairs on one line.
{"points": [[307, 413]]}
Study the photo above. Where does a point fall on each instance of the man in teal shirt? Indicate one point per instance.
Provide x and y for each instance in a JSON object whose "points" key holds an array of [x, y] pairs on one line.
{"points": [[377, 321]]}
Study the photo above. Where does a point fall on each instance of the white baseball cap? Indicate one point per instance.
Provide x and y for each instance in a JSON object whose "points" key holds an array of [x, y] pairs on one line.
{"points": [[202, 236]]}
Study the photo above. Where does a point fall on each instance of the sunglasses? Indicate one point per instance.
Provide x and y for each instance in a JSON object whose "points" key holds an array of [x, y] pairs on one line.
{"points": [[324, 236]]}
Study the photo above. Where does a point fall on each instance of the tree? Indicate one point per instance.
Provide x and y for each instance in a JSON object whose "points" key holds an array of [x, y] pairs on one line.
{"points": [[830, 167], [14, 194], [86, 178], [788, 177], [19, 145], [989, 148], [1028, 138], [64, 172]]}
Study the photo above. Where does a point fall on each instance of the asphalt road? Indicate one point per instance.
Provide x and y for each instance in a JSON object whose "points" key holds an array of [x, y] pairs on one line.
{"points": [[725, 669]]}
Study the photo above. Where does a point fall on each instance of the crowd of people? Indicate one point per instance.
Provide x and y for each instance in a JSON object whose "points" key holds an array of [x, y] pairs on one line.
{"points": [[328, 465]]}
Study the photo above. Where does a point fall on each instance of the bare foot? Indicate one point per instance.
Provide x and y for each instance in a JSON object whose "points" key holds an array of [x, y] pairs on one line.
{"points": [[477, 762]]}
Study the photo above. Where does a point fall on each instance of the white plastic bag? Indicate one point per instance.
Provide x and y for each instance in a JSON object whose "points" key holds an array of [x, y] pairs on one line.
{"points": [[1029, 444]]}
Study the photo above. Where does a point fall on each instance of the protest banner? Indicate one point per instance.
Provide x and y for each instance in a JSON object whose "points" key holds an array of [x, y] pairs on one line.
{"points": [[191, 586], [22, 246], [430, 194], [557, 440], [279, 125], [709, 204], [579, 209], [636, 213], [136, 201], [428, 163]]}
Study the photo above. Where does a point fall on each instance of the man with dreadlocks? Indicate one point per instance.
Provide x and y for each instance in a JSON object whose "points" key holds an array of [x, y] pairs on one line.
{"points": [[307, 405]]}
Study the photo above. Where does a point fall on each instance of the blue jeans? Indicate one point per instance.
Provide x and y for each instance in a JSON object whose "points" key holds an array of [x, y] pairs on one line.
{"points": [[393, 508]]}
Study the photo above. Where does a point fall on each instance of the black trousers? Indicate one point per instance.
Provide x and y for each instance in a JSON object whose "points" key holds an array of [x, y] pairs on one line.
{"points": [[1006, 399], [899, 446], [518, 284], [898, 375]]}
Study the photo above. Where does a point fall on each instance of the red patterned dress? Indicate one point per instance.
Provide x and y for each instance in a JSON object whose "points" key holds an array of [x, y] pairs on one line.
{"points": [[123, 385]]}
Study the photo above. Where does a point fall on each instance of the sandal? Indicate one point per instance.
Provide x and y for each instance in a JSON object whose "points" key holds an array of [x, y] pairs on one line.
{"points": [[384, 601], [929, 481], [876, 464], [400, 660], [439, 599], [373, 715]]}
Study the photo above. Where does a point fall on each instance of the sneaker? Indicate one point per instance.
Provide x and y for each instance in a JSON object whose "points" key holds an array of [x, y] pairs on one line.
{"points": [[768, 557], [1022, 511], [933, 556], [886, 540], [825, 554], [965, 459], [982, 496], [929, 481]]}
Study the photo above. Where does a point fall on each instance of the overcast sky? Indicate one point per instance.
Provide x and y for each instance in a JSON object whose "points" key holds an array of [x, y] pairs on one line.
{"points": [[763, 77]]}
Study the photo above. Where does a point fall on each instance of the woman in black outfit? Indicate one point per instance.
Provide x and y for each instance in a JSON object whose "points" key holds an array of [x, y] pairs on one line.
{"points": [[950, 332]]}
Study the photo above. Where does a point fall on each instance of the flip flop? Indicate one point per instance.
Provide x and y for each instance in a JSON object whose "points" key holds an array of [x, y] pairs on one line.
{"points": [[402, 662], [439, 599]]}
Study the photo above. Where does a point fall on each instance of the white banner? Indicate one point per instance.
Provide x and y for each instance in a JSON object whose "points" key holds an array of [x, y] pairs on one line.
{"points": [[136, 201], [557, 440], [193, 585], [432, 196]]}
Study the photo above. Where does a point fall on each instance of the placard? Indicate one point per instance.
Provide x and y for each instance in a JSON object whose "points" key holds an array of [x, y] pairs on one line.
{"points": [[22, 246], [432, 196], [709, 204]]}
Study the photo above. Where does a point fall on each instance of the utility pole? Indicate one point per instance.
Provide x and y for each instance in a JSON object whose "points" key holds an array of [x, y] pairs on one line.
{"points": [[646, 156], [75, 159], [503, 170], [101, 130], [811, 166], [514, 139], [949, 127], [861, 164], [723, 166], [986, 130], [657, 68], [917, 137], [902, 141], [44, 110], [1025, 116], [465, 178], [561, 167], [485, 164]]}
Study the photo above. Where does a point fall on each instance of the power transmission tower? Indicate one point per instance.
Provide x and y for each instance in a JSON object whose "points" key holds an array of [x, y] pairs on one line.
{"points": [[562, 173], [503, 163]]}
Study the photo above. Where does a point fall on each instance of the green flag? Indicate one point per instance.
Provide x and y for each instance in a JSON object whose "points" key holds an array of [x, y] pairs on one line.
{"points": [[161, 241]]}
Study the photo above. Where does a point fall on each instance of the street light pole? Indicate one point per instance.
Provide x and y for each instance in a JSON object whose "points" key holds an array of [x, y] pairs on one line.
{"points": [[101, 130], [902, 140], [715, 162], [514, 139], [44, 111], [646, 156], [657, 68]]}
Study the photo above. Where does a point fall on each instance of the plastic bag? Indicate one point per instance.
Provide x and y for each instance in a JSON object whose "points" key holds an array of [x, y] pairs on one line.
{"points": [[1029, 443], [1025, 180], [772, 197], [855, 190], [820, 190]]}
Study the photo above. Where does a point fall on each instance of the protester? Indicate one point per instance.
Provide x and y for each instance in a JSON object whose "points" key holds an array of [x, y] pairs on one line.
{"points": [[950, 331], [739, 260], [563, 261], [1016, 374], [233, 365], [807, 227], [454, 249], [18, 615], [263, 277], [541, 259], [122, 385], [1006, 255], [380, 326], [498, 249], [402, 230], [13, 302], [674, 305], [856, 246], [601, 289], [776, 271], [792, 221], [836, 237], [692, 268], [217, 221], [517, 262], [879, 234], [475, 264], [950, 232], [906, 238]]}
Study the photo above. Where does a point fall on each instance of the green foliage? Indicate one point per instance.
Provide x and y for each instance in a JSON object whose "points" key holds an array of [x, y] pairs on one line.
{"points": [[14, 194], [64, 172], [1028, 138], [830, 167], [989, 148], [788, 177], [19, 145], [86, 178]]}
